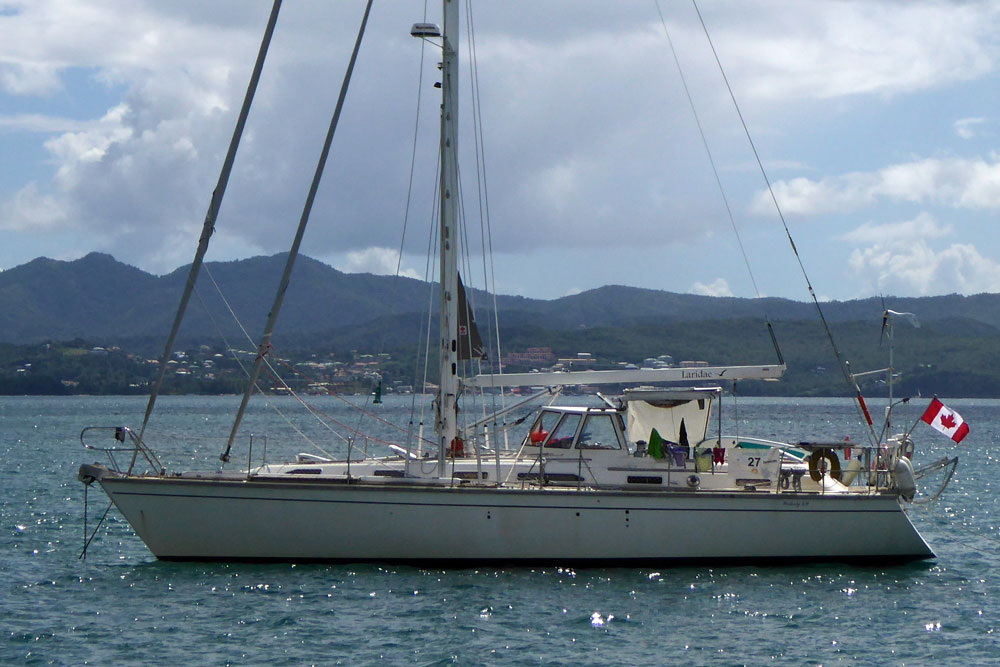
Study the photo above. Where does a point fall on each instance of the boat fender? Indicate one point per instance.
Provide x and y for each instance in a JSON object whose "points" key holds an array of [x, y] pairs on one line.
{"points": [[694, 481], [832, 466], [905, 482], [850, 472]]}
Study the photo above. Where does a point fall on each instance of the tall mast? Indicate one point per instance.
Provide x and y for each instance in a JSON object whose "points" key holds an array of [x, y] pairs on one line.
{"points": [[448, 391]]}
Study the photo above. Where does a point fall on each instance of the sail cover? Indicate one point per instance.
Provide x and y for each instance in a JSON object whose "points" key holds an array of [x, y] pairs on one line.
{"points": [[470, 343]]}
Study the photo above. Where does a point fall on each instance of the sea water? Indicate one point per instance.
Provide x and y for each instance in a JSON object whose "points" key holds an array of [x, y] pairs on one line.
{"points": [[120, 605]]}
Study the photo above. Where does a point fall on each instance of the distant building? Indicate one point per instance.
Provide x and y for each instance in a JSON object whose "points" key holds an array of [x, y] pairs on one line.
{"points": [[581, 359], [662, 361], [533, 356]]}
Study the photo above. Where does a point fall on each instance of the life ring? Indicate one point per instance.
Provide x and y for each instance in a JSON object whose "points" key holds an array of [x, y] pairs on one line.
{"points": [[693, 481], [832, 466]]}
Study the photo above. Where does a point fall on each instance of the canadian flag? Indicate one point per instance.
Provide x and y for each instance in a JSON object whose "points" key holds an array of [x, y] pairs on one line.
{"points": [[946, 420]]}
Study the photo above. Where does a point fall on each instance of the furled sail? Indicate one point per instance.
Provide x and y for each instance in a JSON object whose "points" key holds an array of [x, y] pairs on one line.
{"points": [[470, 343]]}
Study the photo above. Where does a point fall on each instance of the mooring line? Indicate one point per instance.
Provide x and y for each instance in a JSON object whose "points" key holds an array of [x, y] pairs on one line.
{"points": [[83, 554]]}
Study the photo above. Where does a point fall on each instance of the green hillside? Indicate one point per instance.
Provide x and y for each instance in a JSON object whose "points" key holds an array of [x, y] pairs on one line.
{"points": [[98, 301]]}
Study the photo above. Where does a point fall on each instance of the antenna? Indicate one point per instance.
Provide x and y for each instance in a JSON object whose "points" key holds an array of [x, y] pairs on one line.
{"points": [[887, 321]]}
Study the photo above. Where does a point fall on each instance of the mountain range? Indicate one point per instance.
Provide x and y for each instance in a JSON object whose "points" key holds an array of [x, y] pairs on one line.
{"points": [[100, 299]]}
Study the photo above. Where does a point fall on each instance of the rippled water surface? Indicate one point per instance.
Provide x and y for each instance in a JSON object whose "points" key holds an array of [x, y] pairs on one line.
{"points": [[121, 605]]}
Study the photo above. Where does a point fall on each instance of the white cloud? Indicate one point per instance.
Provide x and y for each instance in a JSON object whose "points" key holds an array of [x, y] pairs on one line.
{"points": [[29, 78], [824, 50], [803, 196], [91, 143], [380, 261], [924, 226], [31, 210], [41, 123], [957, 182], [589, 144], [718, 287], [915, 258], [143, 174], [966, 127]]}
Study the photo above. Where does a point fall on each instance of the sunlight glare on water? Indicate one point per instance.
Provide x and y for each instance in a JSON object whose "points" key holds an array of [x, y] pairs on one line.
{"points": [[122, 605]]}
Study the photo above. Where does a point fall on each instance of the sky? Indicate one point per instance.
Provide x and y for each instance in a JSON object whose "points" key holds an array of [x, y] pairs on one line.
{"points": [[876, 123]]}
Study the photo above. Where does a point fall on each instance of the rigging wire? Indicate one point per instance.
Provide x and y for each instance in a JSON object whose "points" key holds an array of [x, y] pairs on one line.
{"points": [[413, 152], [271, 369], [486, 235], [265, 343], [466, 260], [232, 314], [429, 273], [409, 189], [354, 432], [318, 415], [708, 151], [406, 217], [718, 181], [464, 229], [844, 365], [470, 296], [406, 209], [428, 266], [344, 399], [430, 312], [208, 227], [725, 201], [361, 417]]}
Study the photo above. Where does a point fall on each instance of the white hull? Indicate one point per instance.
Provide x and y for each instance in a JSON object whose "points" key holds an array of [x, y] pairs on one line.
{"points": [[190, 519]]}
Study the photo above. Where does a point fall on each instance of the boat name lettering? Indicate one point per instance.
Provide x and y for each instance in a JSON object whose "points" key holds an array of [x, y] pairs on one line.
{"points": [[697, 374]]}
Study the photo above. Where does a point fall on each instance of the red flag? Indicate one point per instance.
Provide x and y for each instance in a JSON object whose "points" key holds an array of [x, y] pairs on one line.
{"points": [[946, 420]]}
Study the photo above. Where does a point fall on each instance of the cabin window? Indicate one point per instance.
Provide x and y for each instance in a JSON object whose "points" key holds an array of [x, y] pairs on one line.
{"points": [[540, 430], [562, 436], [599, 433]]}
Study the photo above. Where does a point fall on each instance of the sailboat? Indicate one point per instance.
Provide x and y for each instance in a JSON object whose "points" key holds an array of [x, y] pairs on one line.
{"points": [[644, 477]]}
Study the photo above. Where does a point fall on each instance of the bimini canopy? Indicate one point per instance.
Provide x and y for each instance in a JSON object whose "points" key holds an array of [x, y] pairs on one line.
{"points": [[678, 415]]}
